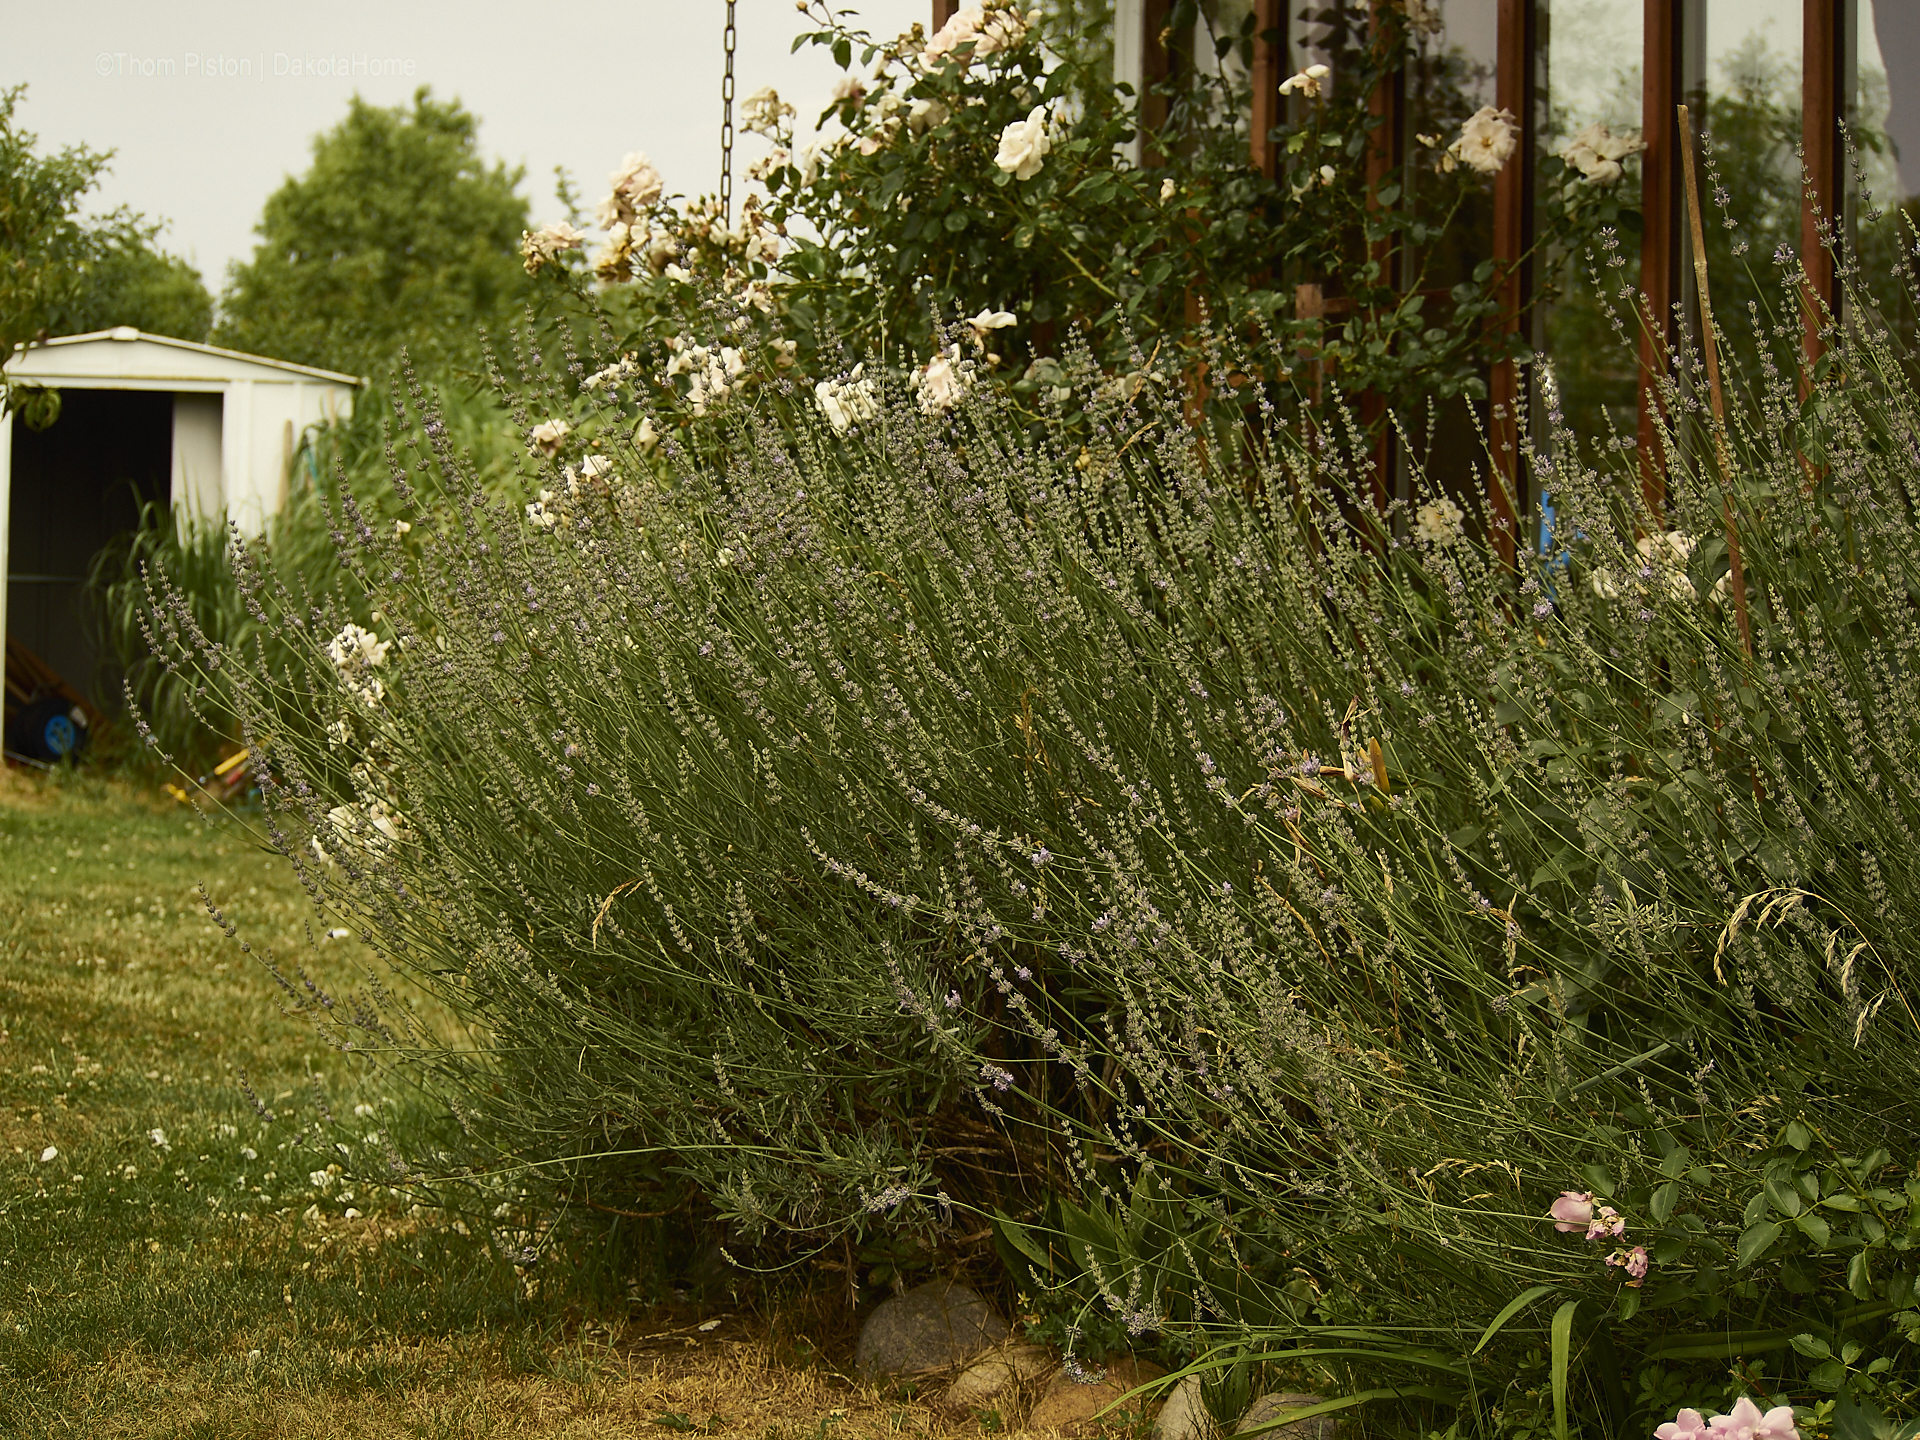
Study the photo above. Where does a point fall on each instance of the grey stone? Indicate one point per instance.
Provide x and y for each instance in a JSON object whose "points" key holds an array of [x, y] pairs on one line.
{"points": [[936, 1326], [1272, 1407], [1184, 1416], [998, 1375]]}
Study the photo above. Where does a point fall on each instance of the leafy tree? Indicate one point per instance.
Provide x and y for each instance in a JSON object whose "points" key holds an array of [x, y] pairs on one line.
{"points": [[61, 273], [399, 234], [131, 283]]}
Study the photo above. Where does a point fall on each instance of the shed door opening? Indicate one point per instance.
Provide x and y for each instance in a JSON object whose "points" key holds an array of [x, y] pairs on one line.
{"points": [[76, 485]]}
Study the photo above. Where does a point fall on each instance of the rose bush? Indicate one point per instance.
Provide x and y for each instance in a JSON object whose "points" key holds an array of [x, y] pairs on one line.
{"points": [[987, 164]]}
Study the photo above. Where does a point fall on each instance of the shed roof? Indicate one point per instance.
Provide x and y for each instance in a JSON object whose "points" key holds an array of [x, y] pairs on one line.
{"points": [[124, 355]]}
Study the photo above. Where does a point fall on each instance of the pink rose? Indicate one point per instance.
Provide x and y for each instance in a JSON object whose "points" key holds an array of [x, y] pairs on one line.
{"points": [[1572, 1211], [1745, 1422], [1687, 1425], [1637, 1264]]}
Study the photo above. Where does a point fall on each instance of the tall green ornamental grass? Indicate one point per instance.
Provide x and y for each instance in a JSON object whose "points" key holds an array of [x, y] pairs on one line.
{"points": [[1308, 939], [192, 714]]}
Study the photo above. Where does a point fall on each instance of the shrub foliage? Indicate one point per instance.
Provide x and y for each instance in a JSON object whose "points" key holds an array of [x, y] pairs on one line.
{"points": [[1258, 905]]}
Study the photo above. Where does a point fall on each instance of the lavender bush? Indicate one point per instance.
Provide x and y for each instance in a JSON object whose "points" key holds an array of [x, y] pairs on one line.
{"points": [[1312, 936]]}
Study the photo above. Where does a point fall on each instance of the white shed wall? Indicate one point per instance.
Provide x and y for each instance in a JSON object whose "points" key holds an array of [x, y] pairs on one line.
{"points": [[236, 418], [197, 482]]}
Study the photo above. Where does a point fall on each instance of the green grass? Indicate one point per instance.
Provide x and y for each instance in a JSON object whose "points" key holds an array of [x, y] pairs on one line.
{"points": [[212, 1287], [214, 1259]]}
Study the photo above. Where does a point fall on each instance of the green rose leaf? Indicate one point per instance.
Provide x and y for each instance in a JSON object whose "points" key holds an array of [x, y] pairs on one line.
{"points": [[1815, 1229], [1783, 1195], [1755, 1241]]}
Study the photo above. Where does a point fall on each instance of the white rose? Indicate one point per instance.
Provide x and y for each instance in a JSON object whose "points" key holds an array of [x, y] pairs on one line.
{"points": [[962, 28], [764, 111], [1596, 152], [847, 402], [661, 249], [1487, 140], [816, 158], [775, 159], [714, 372], [634, 186], [927, 115], [357, 649], [1439, 522], [1424, 17], [1024, 145], [1667, 554], [1308, 82], [986, 322], [1663, 561], [940, 384], [549, 435], [538, 247]]}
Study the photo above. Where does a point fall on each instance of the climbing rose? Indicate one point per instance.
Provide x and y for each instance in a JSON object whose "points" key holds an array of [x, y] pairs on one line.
{"points": [[1487, 140], [1024, 145], [847, 402], [538, 247], [927, 115], [764, 112], [940, 384], [549, 435], [971, 25], [1596, 152], [1308, 82], [635, 186], [1441, 522]]}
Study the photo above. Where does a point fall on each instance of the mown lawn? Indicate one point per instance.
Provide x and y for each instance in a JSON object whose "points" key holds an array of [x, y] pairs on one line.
{"points": [[174, 1264]]}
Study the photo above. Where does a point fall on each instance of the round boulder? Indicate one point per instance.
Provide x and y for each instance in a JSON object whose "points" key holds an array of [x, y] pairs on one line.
{"points": [[1268, 1408], [1184, 1416], [936, 1326]]}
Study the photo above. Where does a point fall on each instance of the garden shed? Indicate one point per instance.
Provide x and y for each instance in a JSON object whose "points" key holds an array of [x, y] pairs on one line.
{"points": [[143, 418]]}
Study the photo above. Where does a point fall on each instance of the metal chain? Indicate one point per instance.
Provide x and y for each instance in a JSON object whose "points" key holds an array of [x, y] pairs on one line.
{"points": [[726, 126]]}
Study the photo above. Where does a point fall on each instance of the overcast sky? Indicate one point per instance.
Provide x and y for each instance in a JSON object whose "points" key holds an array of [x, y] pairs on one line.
{"points": [[210, 105]]}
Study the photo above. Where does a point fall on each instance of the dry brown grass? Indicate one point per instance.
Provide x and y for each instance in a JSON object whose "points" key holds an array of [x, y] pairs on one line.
{"points": [[603, 1385]]}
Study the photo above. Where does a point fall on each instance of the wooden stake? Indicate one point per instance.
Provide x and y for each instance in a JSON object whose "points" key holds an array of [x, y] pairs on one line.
{"points": [[1716, 396]]}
